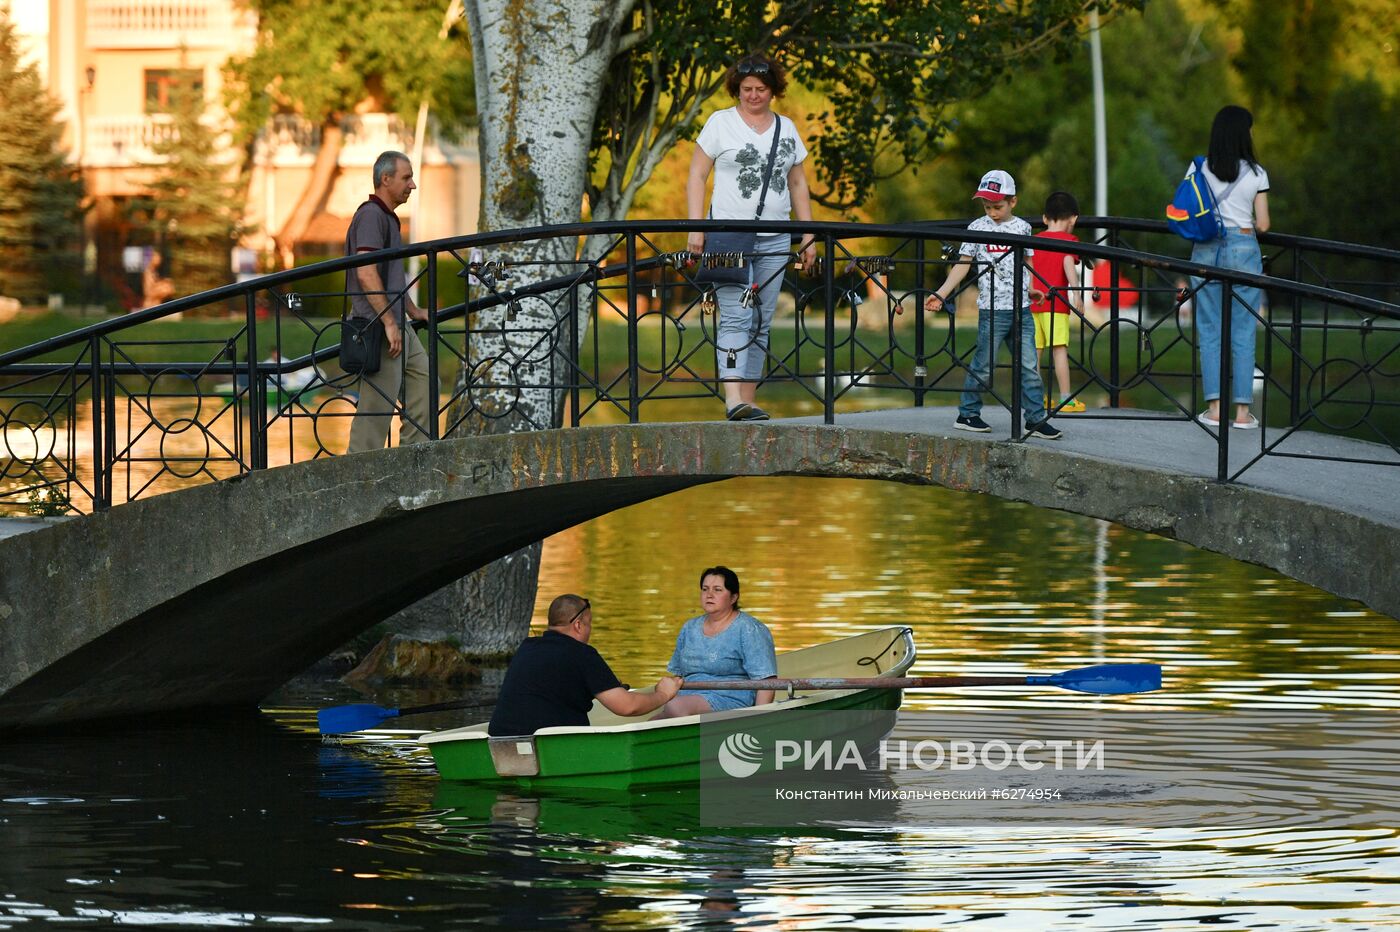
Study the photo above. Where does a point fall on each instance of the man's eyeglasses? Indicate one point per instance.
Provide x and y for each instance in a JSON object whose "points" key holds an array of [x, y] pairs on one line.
{"points": [[579, 614], [752, 67]]}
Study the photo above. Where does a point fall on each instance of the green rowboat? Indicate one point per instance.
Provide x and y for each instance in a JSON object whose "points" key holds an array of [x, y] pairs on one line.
{"points": [[612, 752]]}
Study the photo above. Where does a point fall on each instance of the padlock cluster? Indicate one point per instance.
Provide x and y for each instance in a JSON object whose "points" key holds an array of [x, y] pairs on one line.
{"points": [[490, 272], [875, 265], [724, 260]]}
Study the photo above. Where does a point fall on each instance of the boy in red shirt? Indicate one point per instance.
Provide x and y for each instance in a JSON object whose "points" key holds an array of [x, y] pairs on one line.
{"points": [[1057, 274]]}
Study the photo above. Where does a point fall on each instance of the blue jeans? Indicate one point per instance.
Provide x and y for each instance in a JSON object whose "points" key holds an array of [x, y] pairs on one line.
{"points": [[745, 329], [993, 329], [1238, 251]]}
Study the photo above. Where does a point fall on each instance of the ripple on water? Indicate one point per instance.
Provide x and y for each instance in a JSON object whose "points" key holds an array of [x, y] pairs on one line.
{"points": [[256, 823]]}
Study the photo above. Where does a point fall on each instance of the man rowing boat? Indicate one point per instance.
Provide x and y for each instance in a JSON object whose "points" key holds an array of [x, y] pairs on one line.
{"points": [[553, 679]]}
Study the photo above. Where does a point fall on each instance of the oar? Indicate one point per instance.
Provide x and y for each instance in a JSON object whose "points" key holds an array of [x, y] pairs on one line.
{"points": [[340, 719], [1104, 679]]}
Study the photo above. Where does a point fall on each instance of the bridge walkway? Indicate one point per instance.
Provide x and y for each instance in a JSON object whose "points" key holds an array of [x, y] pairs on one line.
{"points": [[1343, 480]]}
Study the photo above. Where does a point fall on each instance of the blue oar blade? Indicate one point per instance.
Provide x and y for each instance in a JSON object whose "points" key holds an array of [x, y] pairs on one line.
{"points": [[340, 719], [1106, 679]]}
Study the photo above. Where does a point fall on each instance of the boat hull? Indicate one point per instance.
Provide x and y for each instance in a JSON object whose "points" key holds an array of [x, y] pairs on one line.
{"points": [[629, 756]]}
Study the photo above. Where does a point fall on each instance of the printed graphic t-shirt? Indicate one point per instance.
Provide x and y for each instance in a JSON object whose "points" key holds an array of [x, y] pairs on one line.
{"points": [[995, 266], [740, 157]]}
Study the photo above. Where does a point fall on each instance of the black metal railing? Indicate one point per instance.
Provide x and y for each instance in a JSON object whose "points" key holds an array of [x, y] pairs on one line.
{"points": [[619, 330]]}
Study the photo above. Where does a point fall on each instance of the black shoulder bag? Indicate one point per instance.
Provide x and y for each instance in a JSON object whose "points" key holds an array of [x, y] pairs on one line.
{"points": [[361, 342], [361, 338], [726, 254]]}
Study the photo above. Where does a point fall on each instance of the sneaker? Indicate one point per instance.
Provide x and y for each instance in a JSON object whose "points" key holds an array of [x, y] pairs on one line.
{"points": [[1070, 406], [1043, 430], [973, 423], [756, 414], [740, 412]]}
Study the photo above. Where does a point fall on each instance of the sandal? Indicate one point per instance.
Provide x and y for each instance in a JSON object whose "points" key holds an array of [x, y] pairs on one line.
{"points": [[1251, 424], [740, 412]]}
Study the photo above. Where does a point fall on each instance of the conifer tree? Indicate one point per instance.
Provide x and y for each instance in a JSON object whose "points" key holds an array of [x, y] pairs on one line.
{"points": [[192, 205], [40, 193]]}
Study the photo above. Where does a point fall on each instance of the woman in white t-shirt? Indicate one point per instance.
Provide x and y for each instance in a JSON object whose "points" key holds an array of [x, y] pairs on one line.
{"points": [[735, 143], [1241, 189]]}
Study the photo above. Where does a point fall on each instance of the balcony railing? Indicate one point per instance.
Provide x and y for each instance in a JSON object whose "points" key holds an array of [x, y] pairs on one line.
{"points": [[157, 24], [117, 142], [129, 141], [366, 135]]}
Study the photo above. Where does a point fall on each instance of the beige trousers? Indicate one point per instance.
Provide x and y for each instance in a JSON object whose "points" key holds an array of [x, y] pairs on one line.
{"points": [[379, 398]]}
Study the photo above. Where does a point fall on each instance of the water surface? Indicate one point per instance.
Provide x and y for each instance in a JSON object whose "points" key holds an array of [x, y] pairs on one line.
{"points": [[251, 821]]}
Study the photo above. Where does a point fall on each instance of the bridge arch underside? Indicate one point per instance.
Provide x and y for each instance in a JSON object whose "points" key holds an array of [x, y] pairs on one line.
{"points": [[216, 595]]}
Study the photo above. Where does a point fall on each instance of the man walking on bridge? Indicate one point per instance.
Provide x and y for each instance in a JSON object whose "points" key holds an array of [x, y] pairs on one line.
{"points": [[380, 290]]}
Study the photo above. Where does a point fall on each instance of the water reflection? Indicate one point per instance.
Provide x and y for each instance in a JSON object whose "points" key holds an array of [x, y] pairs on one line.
{"points": [[251, 822], [988, 586]]}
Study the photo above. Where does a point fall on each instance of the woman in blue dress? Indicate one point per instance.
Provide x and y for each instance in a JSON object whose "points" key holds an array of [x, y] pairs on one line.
{"points": [[725, 643]]}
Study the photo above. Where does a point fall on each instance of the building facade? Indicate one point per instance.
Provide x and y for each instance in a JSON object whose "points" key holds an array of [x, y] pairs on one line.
{"points": [[112, 65]]}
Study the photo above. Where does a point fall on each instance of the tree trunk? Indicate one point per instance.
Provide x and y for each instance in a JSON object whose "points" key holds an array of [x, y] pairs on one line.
{"points": [[540, 68], [313, 196], [487, 612]]}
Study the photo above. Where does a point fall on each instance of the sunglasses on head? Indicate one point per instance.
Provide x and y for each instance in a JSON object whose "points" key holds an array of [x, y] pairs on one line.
{"points": [[579, 614], [752, 67]]}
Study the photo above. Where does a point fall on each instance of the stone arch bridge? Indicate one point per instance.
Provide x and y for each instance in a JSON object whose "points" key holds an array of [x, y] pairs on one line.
{"points": [[184, 600]]}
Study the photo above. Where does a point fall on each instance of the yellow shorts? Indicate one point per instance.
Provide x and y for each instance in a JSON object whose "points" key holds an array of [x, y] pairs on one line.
{"points": [[1044, 322]]}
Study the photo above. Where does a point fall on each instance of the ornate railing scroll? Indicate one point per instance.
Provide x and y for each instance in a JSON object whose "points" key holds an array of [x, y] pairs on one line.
{"points": [[248, 380]]}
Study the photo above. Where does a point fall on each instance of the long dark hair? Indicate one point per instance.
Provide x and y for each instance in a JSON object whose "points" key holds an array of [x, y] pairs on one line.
{"points": [[1230, 142], [731, 580]]}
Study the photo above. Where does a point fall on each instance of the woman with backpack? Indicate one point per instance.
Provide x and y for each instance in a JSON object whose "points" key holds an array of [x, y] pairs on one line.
{"points": [[1241, 186]]}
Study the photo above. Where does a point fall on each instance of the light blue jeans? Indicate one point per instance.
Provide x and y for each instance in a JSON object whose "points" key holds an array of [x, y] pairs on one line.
{"points": [[993, 329], [1238, 251], [745, 329]]}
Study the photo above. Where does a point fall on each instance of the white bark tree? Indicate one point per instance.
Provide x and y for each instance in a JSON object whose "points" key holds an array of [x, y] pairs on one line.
{"points": [[583, 98], [540, 71]]}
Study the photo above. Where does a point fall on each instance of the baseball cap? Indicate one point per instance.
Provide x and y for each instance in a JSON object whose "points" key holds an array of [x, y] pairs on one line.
{"points": [[996, 185]]}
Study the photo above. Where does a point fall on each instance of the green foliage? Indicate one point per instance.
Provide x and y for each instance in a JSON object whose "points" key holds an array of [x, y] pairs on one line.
{"points": [[1324, 82], [889, 68], [1325, 115], [40, 193], [324, 59], [49, 502], [191, 206], [1342, 180], [1164, 82]]}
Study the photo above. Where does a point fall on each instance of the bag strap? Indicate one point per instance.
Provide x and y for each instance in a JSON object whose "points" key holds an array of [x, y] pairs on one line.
{"points": [[1217, 198], [772, 160]]}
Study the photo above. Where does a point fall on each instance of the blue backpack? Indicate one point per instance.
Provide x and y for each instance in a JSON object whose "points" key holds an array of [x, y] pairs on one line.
{"points": [[1192, 212]]}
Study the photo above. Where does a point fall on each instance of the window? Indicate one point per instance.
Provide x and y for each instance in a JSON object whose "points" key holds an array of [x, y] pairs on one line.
{"points": [[161, 85]]}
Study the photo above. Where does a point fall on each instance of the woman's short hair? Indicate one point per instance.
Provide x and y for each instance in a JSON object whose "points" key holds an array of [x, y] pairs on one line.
{"points": [[757, 66], [731, 580]]}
